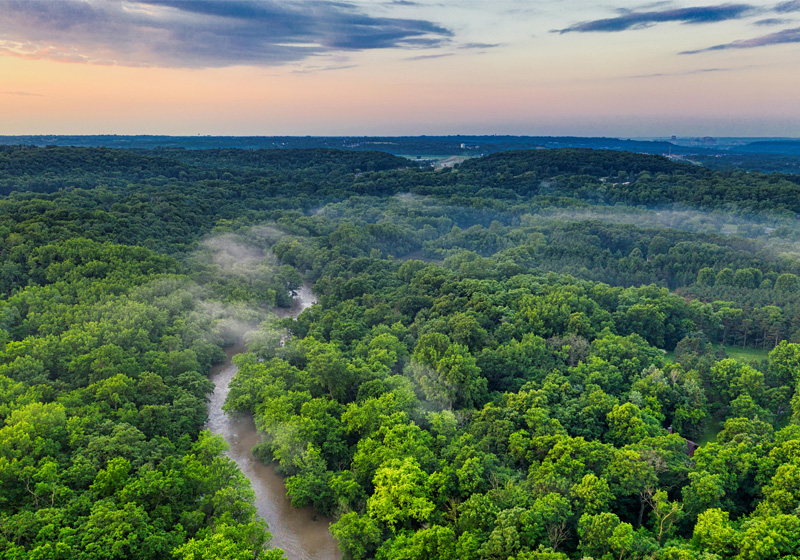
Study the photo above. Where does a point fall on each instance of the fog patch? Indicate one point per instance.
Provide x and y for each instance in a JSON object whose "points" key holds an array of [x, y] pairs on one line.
{"points": [[231, 321], [236, 255], [410, 198], [236, 285], [721, 223]]}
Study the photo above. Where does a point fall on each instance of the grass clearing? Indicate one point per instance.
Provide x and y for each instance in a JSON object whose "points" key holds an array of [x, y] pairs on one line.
{"points": [[746, 354], [713, 428], [735, 352]]}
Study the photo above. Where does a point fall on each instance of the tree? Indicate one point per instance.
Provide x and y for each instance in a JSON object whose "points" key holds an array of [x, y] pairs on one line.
{"points": [[596, 533], [706, 276], [766, 537], [787, 283], [728, 317], [714, 533], [592, 494], [447, 373], [665, 513], [311, 485], [229, 542], [621, 539], [327, 364], [551, 513], [784, 363], [400, 495], [358, 535], [724, 277], [434, 543], [113, 532], [631, 475], [626, 425], [770, 320], [705, 491]]}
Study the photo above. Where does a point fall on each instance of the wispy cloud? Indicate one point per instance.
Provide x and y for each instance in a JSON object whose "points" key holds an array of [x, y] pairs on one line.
{"points": [[315, 69], [201, 33], [674, 74], [480, 45], [641, 19], [773, 21], [429, 56], [787, 7], [778, 38], [23, 93]]}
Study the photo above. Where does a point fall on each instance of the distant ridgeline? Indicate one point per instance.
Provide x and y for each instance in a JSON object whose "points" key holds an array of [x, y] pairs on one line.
{"points": [[507, 357], [767, 155]]}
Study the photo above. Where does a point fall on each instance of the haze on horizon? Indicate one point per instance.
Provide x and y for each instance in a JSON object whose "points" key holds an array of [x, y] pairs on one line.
{"points": [[400, 67]]}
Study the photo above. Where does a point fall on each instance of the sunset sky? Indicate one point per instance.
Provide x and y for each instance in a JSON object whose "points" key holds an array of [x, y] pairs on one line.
{"points": [[253, 67]]}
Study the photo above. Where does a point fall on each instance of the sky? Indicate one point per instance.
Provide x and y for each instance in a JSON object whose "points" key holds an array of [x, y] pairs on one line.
{"points": [[400, 67]]}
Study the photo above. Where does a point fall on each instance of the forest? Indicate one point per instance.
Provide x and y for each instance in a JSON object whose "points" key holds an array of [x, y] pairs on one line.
{"points": [[538, 354], [753, 154]]}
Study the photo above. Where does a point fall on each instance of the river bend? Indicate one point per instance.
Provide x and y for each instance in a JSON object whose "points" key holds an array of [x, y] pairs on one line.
{"points": [[301, 533]]}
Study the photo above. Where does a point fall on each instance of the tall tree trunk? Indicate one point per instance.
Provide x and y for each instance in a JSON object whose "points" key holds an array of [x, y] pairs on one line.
{"points": [[641, 510]]}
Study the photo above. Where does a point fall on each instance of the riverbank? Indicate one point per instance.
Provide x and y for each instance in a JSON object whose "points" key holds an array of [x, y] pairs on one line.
{"points": [[300, 532]]}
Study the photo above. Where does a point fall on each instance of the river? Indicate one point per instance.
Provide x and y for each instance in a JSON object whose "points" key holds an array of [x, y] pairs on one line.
{"points": [[301, 533]]}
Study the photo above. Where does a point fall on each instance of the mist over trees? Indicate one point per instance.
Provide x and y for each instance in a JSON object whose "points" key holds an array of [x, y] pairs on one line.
{"points": [[537, 354]]}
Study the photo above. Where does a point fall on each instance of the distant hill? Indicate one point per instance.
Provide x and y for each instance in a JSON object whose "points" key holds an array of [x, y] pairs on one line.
{"points": [[773, 147], [767, 155], [398, 145], [574, 161]]}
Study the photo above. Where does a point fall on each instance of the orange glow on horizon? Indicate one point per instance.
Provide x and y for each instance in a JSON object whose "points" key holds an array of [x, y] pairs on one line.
{"points": [[519, 92]]}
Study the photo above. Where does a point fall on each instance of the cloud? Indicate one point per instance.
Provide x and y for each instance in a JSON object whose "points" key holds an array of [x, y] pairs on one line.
{"points": [[201, 33], [315, 69], [779, 38], [673, 74], [480, 45], [23, 93], [638, 20], [429, 56], [787, 7], [773, 21]]}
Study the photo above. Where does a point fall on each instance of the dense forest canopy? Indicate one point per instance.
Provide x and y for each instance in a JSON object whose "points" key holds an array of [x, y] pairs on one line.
{"points": [[537, 354]]}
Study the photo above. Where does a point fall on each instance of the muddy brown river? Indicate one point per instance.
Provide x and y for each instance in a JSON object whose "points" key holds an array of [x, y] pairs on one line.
{"points": [[301, 533]]}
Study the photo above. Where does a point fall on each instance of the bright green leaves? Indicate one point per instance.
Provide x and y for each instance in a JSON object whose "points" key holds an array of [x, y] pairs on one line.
{"points": [[434, 543], [784, 363], [33, 431], [596, 533], [592, 493], [227, 542], [765, 538], [705, 491], [713, 532], [400, 495], [625, 425]]}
